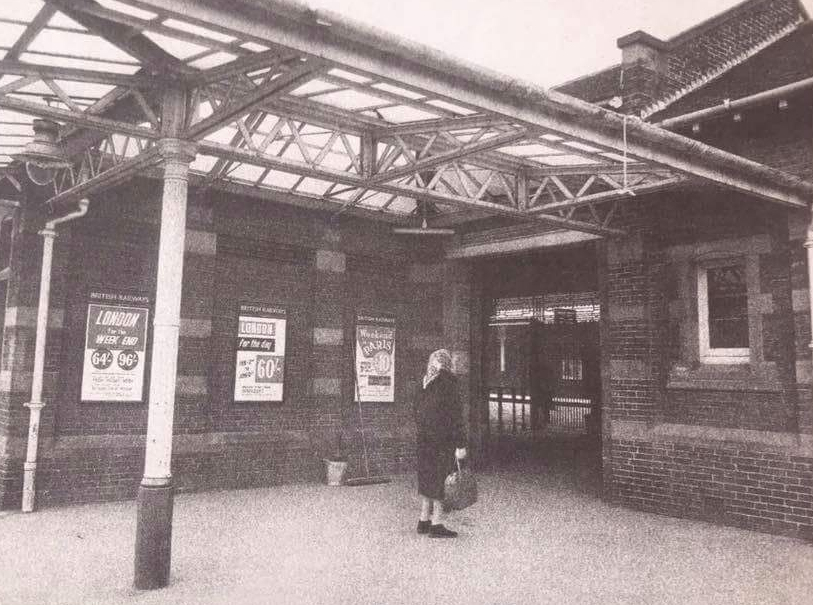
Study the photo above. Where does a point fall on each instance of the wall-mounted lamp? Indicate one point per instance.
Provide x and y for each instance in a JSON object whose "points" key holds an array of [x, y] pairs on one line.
{"points": [[43, 156], [783, 104]]}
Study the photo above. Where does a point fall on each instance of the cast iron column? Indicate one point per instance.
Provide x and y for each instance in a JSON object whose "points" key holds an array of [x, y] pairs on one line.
{"points": [[155, 494]]}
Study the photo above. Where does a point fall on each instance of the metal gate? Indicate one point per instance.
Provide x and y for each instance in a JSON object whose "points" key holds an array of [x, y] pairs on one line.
{"points": [[544, 370]]}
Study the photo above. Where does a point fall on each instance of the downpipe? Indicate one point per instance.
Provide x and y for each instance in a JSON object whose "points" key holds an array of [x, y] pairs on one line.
{"points": [[36, 404]]}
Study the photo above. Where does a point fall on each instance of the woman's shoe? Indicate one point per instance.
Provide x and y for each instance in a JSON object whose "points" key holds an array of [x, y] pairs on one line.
{"points": [[440, 531], [423, 527]]}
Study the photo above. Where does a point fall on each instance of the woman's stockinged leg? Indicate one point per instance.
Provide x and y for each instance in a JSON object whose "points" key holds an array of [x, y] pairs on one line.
{"points": [[437, 511], [437, 529], [426, 508]]}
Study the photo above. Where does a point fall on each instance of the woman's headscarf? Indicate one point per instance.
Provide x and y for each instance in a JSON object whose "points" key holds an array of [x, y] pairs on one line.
{"points": [[438, 360]]}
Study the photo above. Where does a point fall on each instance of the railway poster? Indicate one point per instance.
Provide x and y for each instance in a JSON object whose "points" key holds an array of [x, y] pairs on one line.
{"points": [[115, 347], [375, 357], [260, 357]]}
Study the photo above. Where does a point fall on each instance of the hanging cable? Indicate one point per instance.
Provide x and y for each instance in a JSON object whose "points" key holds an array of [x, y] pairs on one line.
{"points": [[626, 188]]}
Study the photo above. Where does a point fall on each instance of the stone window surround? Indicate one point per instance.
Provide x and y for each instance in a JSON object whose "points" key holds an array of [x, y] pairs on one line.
{"points": [[706, 353], [752, 373]]}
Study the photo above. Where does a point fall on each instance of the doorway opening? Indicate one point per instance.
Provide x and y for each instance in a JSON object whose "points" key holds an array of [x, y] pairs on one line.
{"points": [[542, 368]]}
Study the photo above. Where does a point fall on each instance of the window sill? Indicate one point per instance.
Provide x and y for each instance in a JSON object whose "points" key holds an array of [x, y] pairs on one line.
{"points": [[726, 377]]}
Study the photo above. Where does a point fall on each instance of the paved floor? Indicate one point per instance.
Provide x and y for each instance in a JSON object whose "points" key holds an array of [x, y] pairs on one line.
{"points": [[534, 537]]}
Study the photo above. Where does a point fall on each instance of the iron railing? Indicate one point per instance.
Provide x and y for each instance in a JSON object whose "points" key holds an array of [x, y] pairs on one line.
{"points": [[509, 412]]}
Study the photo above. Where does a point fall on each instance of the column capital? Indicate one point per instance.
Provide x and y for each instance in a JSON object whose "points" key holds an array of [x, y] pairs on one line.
{"points": [[177, 150]]}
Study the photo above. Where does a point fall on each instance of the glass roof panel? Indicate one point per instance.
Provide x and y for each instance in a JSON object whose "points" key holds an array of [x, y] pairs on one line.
{"points": [[80, 45], [7, 115], [88, 90], [254, 47], [247, 172], [62, 20], [213, 60], [349, 76], [582, 146], [313, 186], [126, 9], [199, 30], [23, 10], [312, 86], [9, 33], [281, 180], [178, 48], [15, 129], [349, 99], [203, 163], [402, 114], [401, 92], [223, 135], [567, 160], [532, 149], [403, 205], [451, 107], [50, 59], [17, 141]]}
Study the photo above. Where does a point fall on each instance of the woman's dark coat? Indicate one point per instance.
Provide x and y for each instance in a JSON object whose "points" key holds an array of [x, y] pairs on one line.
{"points": [[439, 420]]}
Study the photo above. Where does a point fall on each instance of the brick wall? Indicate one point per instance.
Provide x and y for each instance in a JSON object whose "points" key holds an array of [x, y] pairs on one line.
{"points": [[237, 249], [725, 443], [734, 484]]}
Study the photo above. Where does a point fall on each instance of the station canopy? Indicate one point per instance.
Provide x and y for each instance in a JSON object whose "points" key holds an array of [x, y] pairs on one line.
{"points": [[302, 106]]}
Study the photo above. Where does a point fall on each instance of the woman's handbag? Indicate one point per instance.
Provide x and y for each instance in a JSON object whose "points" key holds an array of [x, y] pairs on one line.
{"points": [[460, 489]]}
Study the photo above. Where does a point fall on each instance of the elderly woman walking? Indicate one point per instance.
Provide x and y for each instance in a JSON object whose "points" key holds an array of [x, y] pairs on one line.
{"points": [[440, 438]]}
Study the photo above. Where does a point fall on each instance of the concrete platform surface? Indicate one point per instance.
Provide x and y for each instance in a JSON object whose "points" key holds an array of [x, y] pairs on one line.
{"points": [[533, 538]]}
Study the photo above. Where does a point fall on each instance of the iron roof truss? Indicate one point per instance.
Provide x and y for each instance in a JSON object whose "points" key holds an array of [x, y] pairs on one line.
{"points": [[295, 105]]}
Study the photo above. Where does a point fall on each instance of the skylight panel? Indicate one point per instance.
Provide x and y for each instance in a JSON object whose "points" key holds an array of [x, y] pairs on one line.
{"points": [[349, 99], [13, 141], [87, 90], [24, 10], [198, 30], [314, 86], [224, 135], [10, 116], [83, 45], [213, 60], [203, 163], [401, 92], [121, 7], [451, 107], [582, 146], [9, 33], [280, 180], [178, 48], [254, 47], [247, 172], [16, 129], [403, 114], [340, 73], [313, 186], [62, 20], [566, 160], [63, 61], [528, 150]]}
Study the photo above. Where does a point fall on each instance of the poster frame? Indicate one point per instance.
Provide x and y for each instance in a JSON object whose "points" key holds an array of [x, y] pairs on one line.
{"points": [[235, 349], [357, 316], [149, 303]]}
